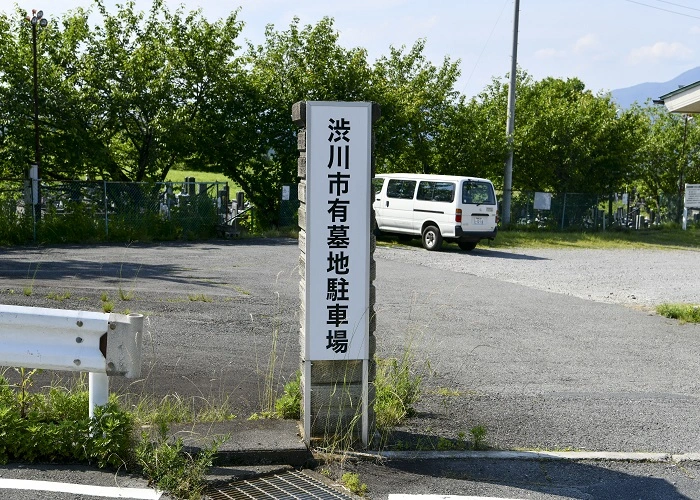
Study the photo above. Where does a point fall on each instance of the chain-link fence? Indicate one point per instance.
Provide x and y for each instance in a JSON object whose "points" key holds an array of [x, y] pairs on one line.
{"points": [[72, 211], [84, 211], [577, 211]]}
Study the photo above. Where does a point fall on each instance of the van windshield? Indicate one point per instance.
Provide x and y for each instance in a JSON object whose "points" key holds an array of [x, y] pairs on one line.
{"points": [[478, 193]]}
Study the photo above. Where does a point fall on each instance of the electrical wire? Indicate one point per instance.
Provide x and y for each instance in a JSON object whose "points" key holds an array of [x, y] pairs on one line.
{"points": [[483, 49], [666, 10], [679, 5]]}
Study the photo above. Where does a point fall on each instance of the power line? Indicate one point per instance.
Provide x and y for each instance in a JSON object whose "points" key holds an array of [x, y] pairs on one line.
{"points": [[478, 59], [678, 5], [666, 10]]}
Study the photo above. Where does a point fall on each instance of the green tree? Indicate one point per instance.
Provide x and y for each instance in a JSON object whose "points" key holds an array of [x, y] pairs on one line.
{"points": [[16, 92], [568, 139], [148, 78], [668, 156], [299, 64], [418, 103], [472, 141], [121, 100]]}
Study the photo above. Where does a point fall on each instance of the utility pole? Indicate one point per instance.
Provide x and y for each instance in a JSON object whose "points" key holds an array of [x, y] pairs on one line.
{"points": [[684, 162], [508, 177], [36, 20]]}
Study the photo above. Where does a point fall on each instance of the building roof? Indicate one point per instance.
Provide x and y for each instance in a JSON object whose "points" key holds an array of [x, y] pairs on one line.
{"points": [[684, 100]]}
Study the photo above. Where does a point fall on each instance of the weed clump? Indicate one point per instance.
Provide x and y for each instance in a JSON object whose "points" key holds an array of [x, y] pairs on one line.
{"points": [[397, 389], [288, 405], [686, 313], [352, 482]]}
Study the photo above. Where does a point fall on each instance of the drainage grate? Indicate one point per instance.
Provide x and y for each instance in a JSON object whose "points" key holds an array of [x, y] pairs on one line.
{"points": [[290, 485]]}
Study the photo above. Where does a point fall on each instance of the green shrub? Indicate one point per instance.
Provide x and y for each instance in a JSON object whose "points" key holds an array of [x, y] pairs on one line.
{"points": [[289, 404], [55, 427], [77, 224], [478, 433]]}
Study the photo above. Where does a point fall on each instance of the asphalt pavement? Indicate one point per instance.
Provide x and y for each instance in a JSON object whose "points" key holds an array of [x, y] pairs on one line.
{"points": [[539, 370]]}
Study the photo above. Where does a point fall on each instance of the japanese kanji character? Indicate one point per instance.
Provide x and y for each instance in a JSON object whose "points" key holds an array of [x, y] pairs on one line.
{"points": [[338, 210], [338, 263], [337, 315], [337, 340], [339, 182], [338, 236], [337, 289]]}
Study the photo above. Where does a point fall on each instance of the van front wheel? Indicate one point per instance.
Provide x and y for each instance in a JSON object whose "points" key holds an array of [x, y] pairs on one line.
{"points": [[432, 239]]}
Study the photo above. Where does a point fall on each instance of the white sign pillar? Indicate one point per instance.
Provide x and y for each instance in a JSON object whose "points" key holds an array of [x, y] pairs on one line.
{"points": [[337, 266]]}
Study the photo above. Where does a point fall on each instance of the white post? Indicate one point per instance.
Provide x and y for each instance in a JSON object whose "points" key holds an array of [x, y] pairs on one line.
{"points": [[685, 218], [306, 387], [365, 402], [98, 385]]}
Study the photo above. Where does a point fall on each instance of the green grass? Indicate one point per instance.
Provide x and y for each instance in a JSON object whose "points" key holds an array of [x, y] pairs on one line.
{"points": [[58, 296], [667, 238], [686, 313], [179, 176], [652, 238]]}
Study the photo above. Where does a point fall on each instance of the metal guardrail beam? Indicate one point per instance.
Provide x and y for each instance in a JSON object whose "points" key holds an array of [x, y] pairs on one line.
{"points": [[56, 339]]}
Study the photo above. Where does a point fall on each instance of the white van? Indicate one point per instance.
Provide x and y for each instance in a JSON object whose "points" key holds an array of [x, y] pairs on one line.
{"points": [[436, 207]]}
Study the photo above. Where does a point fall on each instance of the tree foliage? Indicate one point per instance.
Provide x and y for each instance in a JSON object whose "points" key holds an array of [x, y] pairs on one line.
{"points": [[299, 64], [417, 99], [129, 95]]}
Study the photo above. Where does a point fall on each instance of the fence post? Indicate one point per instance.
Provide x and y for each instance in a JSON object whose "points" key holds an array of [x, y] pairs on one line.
{"points": [[104, 197], [563, 212]]}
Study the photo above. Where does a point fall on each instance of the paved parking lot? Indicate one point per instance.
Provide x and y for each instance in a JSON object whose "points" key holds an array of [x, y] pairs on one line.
{"points": [[533, 360]]}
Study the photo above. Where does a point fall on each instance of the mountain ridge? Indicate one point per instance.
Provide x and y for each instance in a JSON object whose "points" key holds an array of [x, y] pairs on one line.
{"points": [[641, 92]]}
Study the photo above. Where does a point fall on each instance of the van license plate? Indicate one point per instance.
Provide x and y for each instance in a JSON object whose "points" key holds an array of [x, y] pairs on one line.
{"points": [[478, 221]]}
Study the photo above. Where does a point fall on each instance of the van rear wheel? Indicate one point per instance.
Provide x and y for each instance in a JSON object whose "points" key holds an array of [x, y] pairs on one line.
{"points": [[467, 246], [432, 239]]}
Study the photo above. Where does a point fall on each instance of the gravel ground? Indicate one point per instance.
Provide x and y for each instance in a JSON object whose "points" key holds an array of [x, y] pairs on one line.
{"points": [[631, 277]]}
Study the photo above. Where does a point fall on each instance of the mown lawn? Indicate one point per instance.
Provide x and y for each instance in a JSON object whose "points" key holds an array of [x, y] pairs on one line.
{"points": [[661, 238], [180, 175], [646, 238]]}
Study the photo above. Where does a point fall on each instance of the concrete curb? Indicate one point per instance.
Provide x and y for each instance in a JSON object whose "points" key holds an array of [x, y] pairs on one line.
{"points": [[532, 455]]}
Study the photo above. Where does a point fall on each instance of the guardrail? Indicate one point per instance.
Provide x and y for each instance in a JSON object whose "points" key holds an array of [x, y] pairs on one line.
{"points": [[101, 344]]}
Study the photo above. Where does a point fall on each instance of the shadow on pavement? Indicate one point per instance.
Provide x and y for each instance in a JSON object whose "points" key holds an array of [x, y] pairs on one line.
{"points": [[578, 480], [497, 254]]}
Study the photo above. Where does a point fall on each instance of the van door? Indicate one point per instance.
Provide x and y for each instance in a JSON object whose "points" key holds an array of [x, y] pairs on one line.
{"points": [[435, 202], [478, 206], [396, 207]]}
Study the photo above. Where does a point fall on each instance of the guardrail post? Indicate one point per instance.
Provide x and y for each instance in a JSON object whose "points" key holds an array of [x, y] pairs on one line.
{"points": [[98, 386]]}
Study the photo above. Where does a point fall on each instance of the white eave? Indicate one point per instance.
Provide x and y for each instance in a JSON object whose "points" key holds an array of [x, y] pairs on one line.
{"points": [[683, 100]]}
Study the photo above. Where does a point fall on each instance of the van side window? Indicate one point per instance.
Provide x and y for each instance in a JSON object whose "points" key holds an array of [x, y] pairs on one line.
{"points": [[436, 191], [478, 193], [398, 188]]}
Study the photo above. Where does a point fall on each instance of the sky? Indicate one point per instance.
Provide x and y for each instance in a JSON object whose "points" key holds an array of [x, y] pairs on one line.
{"points": [[608, 44]]}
